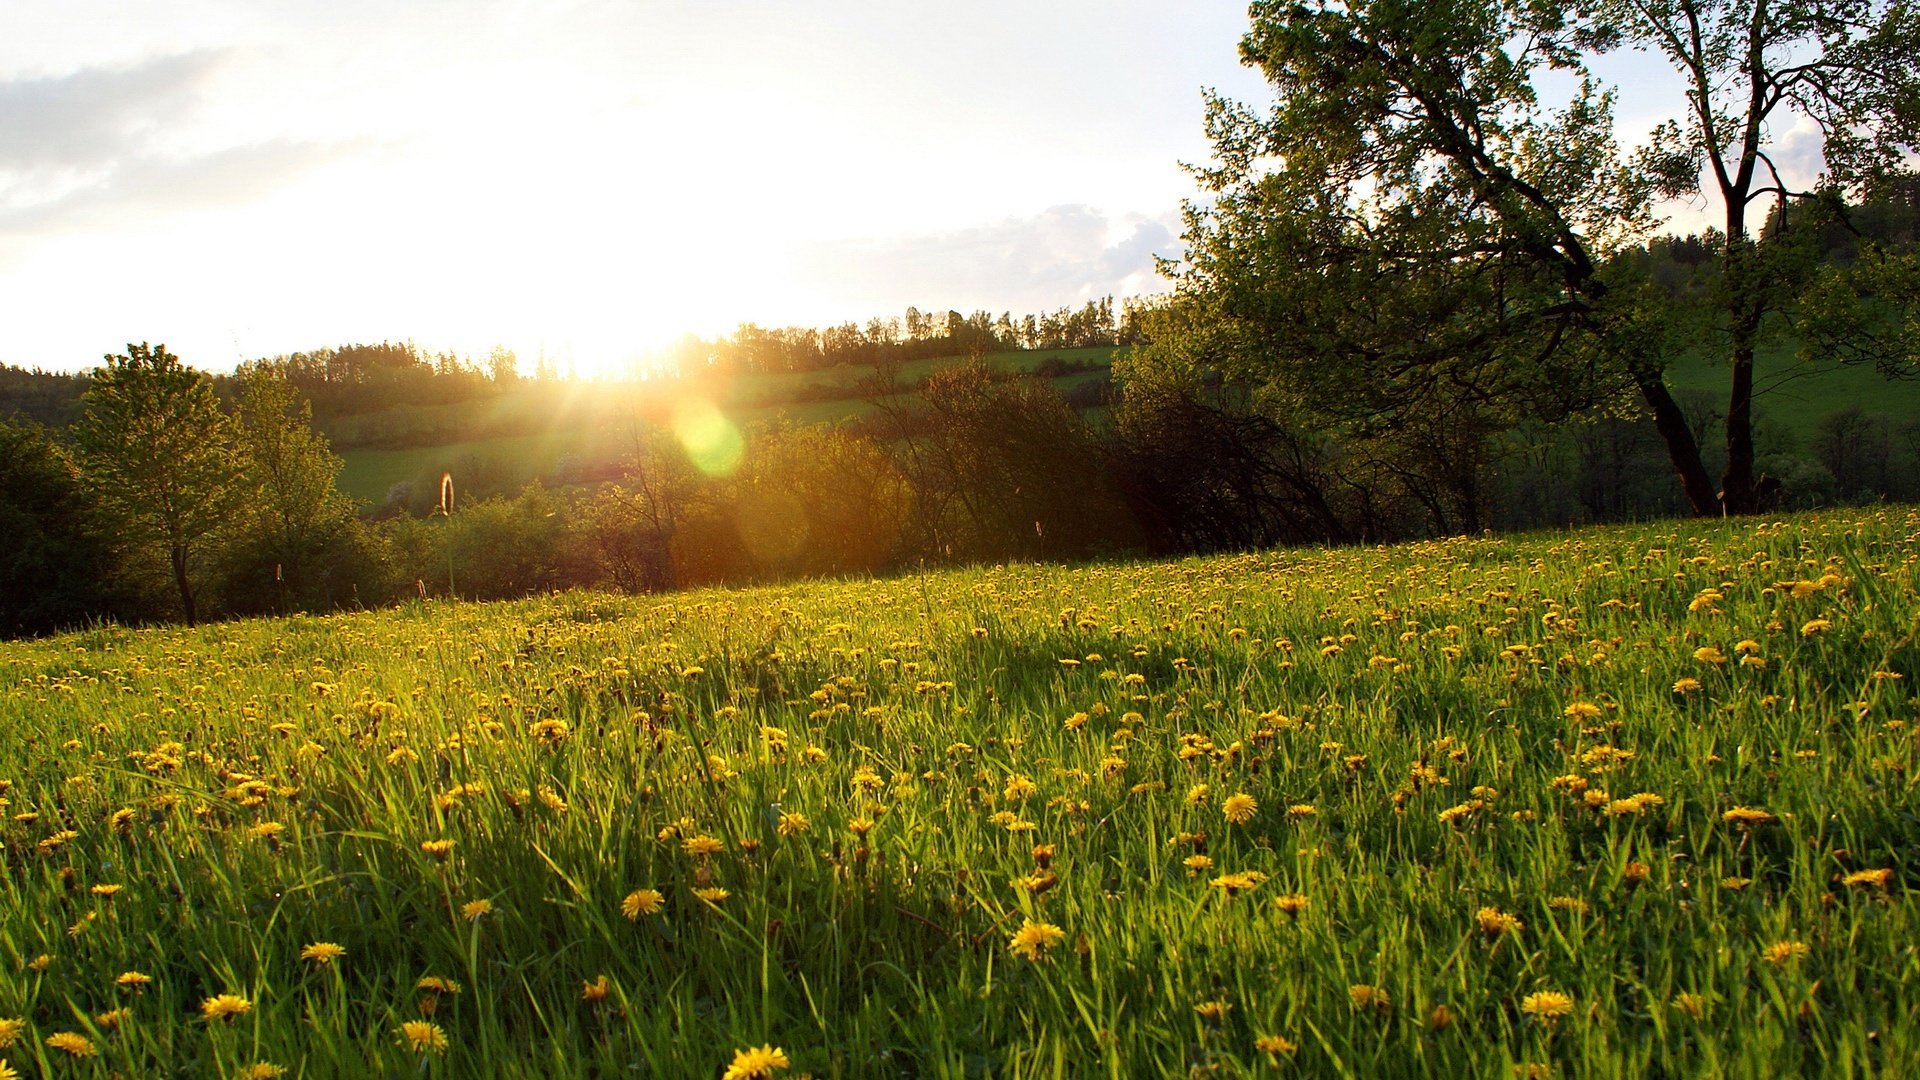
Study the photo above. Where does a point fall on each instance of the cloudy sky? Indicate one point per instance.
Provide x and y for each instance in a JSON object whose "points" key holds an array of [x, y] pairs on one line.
{"points": [[240, 178]]}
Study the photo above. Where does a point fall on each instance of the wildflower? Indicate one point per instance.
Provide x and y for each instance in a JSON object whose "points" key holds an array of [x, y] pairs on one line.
{"points": [[1303, 810], [1291, 903], [322, 952], [712, 894], [439, 849], [1235, 884], [72, 1043], [225, 1007], [131, 979], [1686, 684], [1197, 864], [1815, 626], [1365, 996], [109, 1020], [596, 991], [756, 1063], [434, 984], [39, 964], [1240, 808], [260, 1070], [1876, 878], [1494, 922], [1734, 883], [1710, 654], [1636, 872], [550, 731], [474, 910], [423, 1037], [1547, 1006], [702, 846], [11, 1028], [1584, 710], [1214, 1011], [106, 892], [642, 902], [1783, 952], [794, 824], [1748, 817], [1033, 939], [1694, 1005], [1274, 1045]]}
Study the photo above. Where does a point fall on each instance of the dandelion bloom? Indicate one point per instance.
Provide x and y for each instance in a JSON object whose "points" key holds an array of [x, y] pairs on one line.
{"points": [[11, 1028], [474, 910], [1365, 996], [1686, 685], [1694, 1005], [1816, 626], [1547, 1005], [72, 1043], [1235, 884], [642, 902], [1710, 654], [434, 984], [439, 849], [1033, 939], [106, 891], [1583, 710], [1291, 904], [702, 846], [422, 1036], [794, 824], [261, 1070], [1240, 808], [133, 979], [1568, 903], [1876, 878], [1274, 1044], [597, 990], [756, 1063], [322, 952], [1494, 922], [712, 894], [1782, 952], [1748, 816], [1215, 1011], [225, 1007]]}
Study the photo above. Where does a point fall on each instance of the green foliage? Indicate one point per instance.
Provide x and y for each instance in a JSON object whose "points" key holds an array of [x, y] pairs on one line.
{"points": [[1663, 771], [155, 449], [56, 558]]}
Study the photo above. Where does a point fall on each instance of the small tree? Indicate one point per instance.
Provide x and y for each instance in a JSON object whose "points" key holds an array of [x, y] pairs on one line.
{"points": [[155, 448]]}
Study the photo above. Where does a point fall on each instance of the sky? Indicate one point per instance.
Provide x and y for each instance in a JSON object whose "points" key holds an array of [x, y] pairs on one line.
{"points": [[585, 181]]}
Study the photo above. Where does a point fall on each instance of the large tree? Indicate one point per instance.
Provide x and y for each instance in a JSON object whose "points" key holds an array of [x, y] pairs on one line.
{"points": [[1427, 219], [154, 446]]}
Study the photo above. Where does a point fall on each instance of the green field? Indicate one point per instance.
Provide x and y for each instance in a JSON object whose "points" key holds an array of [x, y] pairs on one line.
{"points": [[524, 436], [1619, 802]]}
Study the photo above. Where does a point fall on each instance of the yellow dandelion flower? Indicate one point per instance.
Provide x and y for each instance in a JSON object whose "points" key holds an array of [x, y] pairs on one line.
{"points": [[597, 990], [1274, 1045], [1240, 808], [794, 824], [1365, 996], [8, 1072], [1291, 903], [11, 1028], [112, 1018], [712, 894], [1033, 939], [225, 1007], [1710, 654], [1784, 952], [1568, 903], [1878, 879], [434, 984], [1584, 710], [131, 979], [1815, 626], [1547, 1006], [1214, 1011], [1494, 922], [72, 1043], [439, 849], [1694, 1005], [1748, 817], [702, 846], [423, 1037], [106, 891], [642, 902], [756, 1063], [475, 910], [322, 952], [1686, 684]]}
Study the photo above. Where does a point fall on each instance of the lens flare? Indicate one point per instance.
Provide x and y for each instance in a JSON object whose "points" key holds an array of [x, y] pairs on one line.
{"points": [[711, 441]]}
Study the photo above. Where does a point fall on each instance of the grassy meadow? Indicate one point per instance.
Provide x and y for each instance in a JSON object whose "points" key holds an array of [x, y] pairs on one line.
{"points": [[1620, 802]]}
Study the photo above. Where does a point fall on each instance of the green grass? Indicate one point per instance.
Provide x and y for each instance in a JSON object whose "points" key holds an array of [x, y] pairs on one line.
{"points": [[1404, 719], [1793, 395]]}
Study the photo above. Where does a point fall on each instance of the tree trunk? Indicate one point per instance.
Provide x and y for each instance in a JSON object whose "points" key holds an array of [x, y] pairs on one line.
{"points": [[1736, 484], [177, 554], [1682, 449]]}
